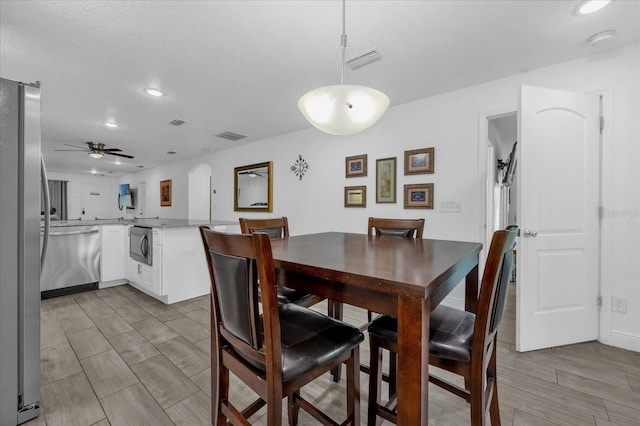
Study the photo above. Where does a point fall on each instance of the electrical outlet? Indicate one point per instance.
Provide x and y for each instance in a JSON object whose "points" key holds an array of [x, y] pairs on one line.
{"points": [[619, 304]]}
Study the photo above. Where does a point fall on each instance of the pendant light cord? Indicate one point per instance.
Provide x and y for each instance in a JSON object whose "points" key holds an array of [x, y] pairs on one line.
{"points": [[343, 42]]}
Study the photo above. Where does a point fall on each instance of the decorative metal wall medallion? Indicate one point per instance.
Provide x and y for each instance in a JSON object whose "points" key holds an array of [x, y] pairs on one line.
{"points": [[300, 167]]}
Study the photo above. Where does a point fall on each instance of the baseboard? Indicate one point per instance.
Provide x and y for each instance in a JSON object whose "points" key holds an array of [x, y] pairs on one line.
{"points": [[624, 340], [107, 284]]}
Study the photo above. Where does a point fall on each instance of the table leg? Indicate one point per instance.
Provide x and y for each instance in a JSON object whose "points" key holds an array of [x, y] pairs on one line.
{"points": [[413, 361], [471, 291]]}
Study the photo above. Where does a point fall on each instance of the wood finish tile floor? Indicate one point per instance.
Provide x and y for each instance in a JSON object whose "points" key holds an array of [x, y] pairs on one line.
{"points": [[119, 357]]}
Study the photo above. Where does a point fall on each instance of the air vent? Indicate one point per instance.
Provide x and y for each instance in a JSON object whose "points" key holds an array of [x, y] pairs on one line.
{"points": [[177, 122], [364, 58], [230, 136]]}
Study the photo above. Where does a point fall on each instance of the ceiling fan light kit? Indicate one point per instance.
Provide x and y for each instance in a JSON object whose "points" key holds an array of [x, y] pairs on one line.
{"points": [[97, 150], [343, 109]]}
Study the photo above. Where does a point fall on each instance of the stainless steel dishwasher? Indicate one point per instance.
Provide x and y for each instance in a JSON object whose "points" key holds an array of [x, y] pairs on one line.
{"points": [[73, 261]]}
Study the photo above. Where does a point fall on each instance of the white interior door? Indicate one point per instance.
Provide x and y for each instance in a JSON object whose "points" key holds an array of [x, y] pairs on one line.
{"points": [[558, 183]]}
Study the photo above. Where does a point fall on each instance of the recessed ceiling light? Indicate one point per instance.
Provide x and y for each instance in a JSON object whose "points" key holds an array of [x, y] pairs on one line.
{"points": [[592, 6], [171, 152], [153, 92], [111, 124], [600, 37]]}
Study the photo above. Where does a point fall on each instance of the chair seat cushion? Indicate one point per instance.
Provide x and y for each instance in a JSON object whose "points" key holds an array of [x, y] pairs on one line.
{"points": [[450, 332], [310, 339]]}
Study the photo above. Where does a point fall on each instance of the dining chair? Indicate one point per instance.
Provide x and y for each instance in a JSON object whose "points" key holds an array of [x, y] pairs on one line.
{"points": [[407, 228], [279, 228], [460, 342], [275, 353]]}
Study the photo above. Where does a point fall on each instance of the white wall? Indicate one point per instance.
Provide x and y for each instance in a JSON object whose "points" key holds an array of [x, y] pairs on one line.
{"points": [[451, 123], [96, 196]]}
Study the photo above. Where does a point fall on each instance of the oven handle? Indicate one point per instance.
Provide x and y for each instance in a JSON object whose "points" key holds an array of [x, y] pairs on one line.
{"points": [[144, 246]]}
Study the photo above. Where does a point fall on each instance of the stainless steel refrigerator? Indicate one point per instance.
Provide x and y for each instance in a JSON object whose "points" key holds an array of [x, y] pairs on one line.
{"points": [[22, 176]]}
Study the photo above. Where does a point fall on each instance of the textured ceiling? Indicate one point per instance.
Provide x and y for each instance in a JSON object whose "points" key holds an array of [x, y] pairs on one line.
{"points": [[241, 66]]}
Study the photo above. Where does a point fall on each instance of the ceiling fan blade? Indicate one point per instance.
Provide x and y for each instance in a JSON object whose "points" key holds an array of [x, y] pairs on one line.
{"points": [[119, 155], [112, 150], [84, 148]]}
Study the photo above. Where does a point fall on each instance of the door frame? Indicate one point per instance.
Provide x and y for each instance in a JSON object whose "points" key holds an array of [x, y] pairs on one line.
{"points": [[606, 187]]}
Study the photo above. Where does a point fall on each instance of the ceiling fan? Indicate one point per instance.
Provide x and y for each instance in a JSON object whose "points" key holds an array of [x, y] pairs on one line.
{"points": [[96, 150], [252, 173]]}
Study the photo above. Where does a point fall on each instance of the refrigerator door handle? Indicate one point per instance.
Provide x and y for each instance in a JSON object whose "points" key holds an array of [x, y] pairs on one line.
{"points": [[47, 206]]}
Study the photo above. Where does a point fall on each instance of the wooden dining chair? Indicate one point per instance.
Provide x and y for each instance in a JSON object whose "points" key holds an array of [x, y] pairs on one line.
{"points": [[409, 228], [276, 228], [276, 353], [460, 342], [279, 228]]}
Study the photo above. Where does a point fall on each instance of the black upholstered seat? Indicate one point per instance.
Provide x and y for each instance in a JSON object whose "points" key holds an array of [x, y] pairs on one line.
{"points": [[310, 339], [450, 332], [275, 353]]}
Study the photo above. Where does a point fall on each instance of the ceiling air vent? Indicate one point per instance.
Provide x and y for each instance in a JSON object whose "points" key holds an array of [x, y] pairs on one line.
{"points": [[177, 122], [230, 136], [364, 58]]}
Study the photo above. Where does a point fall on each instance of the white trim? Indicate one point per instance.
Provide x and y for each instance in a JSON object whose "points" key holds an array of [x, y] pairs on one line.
{"points": [[624, 340], [606, 261]]}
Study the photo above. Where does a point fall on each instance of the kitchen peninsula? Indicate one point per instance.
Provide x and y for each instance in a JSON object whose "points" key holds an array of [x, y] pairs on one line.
{"points": [[173, 267]]}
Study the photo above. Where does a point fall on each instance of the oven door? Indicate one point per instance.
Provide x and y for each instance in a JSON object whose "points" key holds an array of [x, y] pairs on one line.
{"points": [[141, 244]]}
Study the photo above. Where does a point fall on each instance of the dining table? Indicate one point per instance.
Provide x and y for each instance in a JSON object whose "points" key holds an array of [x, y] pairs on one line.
{"points": [[403, 277]]}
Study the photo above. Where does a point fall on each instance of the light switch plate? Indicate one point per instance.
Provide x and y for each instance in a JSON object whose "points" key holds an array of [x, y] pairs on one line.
{"points": [[450, 206]]}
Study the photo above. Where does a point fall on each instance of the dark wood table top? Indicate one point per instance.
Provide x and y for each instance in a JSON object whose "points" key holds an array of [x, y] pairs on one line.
{"points": [[414, 267]]}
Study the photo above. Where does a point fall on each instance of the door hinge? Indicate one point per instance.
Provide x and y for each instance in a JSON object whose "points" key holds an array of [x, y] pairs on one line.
{"points": [[600, 301]]}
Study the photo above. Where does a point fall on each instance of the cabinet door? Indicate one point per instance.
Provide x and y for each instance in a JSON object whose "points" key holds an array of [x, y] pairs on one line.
{"points": [[113, 265], [146, 276]]}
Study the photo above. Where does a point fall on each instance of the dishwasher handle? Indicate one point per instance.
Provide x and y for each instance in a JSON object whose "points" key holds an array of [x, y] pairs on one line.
{"points": [[144, 246], [91, 231]]}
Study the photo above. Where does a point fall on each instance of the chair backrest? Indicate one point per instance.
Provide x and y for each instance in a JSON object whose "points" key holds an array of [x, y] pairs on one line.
{"points": [[494, 287], [409, 228], [276, 227], [237, 263]]}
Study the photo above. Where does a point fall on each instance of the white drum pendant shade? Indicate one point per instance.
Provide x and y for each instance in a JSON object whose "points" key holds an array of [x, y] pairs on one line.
{"points": [[343, 109]]}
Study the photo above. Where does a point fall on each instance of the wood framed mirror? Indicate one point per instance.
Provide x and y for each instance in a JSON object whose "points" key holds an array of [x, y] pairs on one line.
{"points": [[253, 188]]}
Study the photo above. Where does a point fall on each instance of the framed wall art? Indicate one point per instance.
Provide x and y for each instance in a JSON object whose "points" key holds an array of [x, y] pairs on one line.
{"points": [[165, 192], [386, 180], [419, 161], [356, 166], [418, 196], [355, 196]]}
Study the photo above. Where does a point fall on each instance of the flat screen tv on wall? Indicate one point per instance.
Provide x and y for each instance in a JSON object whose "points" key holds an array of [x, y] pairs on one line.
{"points": [[125, 198]]}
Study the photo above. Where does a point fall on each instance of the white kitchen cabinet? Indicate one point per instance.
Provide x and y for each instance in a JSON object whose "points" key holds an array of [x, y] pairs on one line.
{"points": [[179, 269], [148, 278], [113, 254], [184, 266]]}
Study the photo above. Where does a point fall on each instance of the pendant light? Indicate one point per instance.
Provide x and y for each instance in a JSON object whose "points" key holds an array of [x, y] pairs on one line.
{"points": [[343, 109]]}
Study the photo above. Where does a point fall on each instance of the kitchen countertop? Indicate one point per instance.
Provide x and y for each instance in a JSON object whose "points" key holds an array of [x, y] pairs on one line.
{"points": [[150, 223]]}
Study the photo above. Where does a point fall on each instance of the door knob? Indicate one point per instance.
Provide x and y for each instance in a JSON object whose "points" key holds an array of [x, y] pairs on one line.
{"points": [[529, 233]]}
